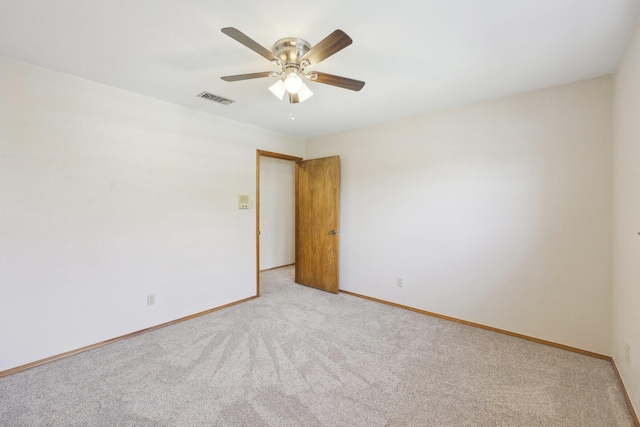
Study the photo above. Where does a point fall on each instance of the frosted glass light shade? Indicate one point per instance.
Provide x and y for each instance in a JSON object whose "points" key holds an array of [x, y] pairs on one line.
{"points": [[278, 89], [304, 93]]}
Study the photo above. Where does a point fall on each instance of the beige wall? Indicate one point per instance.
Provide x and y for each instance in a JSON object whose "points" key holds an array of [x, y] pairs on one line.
{"points": [[107, 196], [626, 202], [497, 213]]}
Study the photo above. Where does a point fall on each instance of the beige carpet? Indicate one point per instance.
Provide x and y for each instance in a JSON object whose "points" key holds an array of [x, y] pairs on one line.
{"points": [[302, 357]]}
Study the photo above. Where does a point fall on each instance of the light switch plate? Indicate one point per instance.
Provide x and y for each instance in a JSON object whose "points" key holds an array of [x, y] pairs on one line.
{"points": [[243, 201]]}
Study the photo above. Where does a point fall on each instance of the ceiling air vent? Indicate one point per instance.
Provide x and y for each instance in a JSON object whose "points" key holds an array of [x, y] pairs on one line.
{"points": [[215, 98]]}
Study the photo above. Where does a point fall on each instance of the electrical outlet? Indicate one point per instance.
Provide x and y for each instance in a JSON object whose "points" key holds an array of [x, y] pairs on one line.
{"points": [[151, 299], [627, 352], [400, 282]]}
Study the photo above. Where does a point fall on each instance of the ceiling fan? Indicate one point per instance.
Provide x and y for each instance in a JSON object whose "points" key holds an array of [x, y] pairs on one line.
{"points": [[294, 56]]}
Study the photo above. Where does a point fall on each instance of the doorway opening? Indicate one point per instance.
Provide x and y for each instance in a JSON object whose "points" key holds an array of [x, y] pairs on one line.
{"points": [[273, 248], [317, 217]]}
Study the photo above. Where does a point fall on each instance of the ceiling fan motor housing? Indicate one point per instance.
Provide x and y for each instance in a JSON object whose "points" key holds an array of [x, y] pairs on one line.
{"points": [[290, 50]]}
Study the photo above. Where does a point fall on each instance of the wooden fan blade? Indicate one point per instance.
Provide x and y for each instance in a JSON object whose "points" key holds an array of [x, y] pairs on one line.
{"points": [[343, 82], [245, 76], [250, 43], [331, 44]]}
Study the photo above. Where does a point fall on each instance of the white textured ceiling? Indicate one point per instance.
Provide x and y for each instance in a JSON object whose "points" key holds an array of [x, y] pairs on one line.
{"points": [[415, 56]]}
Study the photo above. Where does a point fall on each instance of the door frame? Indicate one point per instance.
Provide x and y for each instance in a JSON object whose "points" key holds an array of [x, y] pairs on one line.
{"points": [[260, 153]]}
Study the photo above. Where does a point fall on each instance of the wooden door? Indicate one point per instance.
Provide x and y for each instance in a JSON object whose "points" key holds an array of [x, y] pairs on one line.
{"points": [[317, 222]]}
